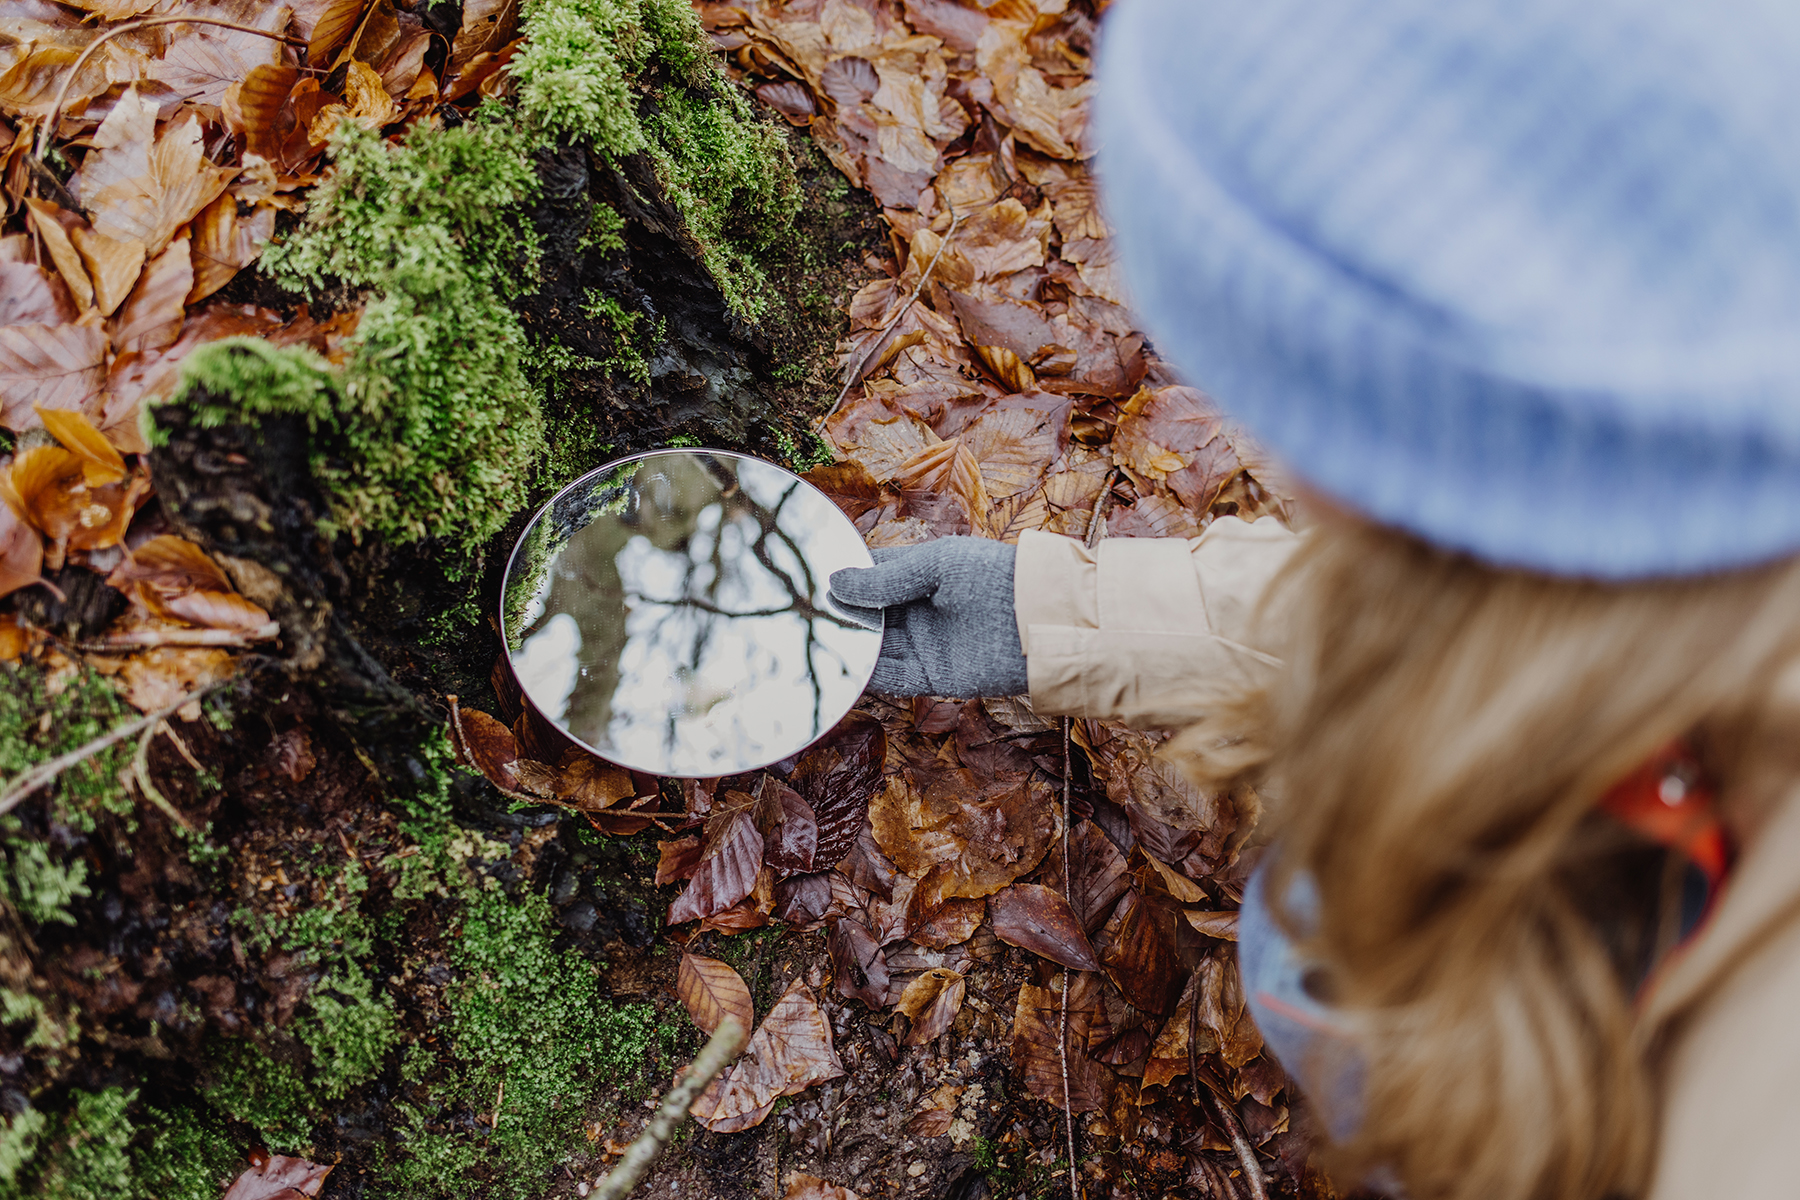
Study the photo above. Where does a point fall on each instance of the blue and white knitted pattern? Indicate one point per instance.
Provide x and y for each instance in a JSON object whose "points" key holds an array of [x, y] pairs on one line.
{"points": [[1522, 278]]}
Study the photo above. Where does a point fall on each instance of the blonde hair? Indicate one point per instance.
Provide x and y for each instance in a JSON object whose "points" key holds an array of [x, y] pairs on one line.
{"points": [[1436, 741]]}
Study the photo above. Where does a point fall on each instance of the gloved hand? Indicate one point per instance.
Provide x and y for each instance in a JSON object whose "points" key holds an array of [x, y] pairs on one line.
{"points": [[950, 625]]}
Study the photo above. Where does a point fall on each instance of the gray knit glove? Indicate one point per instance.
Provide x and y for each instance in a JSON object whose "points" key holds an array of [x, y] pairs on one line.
{"points": [[950, 625]]}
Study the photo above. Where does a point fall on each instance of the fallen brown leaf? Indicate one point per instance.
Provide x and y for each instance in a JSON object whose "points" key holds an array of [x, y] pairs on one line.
{"points": [[140, 185], [858, 963], [101, 462], [1036, 918], [161, 675], [791, 1051], [278, 1177], [931, 1003], [30, 295], [984, 833], [1139, 953], [55, 366], [21, 553], [711, 991], [1037, 1053], [151, 316], [225, 243], [810, 1187], [730, 858], [836, 776]]}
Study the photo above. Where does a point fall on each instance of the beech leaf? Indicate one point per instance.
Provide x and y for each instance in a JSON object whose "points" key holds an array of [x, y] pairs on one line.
{"points": [[790, 1051], [730, 859], [1036, 918], [931, 1002], [52, 366], [278, 1177], [1037, 1052], [711, 991]]}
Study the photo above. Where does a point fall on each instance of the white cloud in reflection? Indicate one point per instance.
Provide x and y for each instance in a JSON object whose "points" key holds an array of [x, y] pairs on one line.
{"points": [[548, 665]]}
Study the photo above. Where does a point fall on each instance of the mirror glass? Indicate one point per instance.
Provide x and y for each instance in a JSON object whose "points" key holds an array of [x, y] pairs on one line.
{"points": [[671, 613]]}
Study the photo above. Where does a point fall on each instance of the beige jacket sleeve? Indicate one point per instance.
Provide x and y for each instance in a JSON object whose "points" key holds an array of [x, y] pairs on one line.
{"points": [[1142, 629]]}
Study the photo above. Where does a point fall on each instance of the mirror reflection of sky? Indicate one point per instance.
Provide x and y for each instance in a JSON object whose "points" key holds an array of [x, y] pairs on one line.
{"points": [[688, 631]]}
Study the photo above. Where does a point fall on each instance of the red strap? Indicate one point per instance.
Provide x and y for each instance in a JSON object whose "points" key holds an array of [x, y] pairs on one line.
{"points": [[1668, 801]]}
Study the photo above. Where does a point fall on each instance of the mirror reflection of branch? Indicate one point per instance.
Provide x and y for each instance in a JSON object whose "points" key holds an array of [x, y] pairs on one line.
{"points": [[720, 570]]}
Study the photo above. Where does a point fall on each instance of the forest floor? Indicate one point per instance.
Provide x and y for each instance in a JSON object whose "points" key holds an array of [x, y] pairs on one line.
{"points": [[280, 918]]}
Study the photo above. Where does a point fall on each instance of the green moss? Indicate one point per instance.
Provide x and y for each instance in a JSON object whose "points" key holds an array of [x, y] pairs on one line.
{"points": [[78, 1154], [184, 1154], [274, 1098], [726, 168], [574, 72], [729, 174], [260, 378], [437, 427], [42, 717]]}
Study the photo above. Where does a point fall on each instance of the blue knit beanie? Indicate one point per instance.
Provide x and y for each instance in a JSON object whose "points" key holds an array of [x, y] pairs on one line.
{"points": [[1522, 278]]}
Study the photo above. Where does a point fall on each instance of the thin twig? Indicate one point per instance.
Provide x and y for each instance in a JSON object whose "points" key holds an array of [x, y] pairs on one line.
{"points": [[27, 782], [140, 770], [1062, 1040], [137, 638], [62, 93], [718, 1052], [862, 365], [1253, 1176], [1098, 514], [168, 731]]}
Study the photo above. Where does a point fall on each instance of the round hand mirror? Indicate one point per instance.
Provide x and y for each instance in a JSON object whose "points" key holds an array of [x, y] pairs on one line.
{"points": [[670, 612]]}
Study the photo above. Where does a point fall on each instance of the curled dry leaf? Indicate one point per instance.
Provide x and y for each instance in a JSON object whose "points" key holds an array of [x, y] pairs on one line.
{"points": [[1036, 918], [791, 1051], [936, 922], [278, 1177], [711, 991], [253, 107], [931, 1003], [730, 860], [169, 576], [487, 745], [224, 243], [1221, 925], [101, 462], [47, 220]]}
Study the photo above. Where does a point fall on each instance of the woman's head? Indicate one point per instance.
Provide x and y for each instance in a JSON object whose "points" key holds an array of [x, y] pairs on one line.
{"points": [[1435, 746]]}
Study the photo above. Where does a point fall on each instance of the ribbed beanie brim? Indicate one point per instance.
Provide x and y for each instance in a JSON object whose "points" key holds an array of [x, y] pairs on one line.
{"points": [[1521, 278]]}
